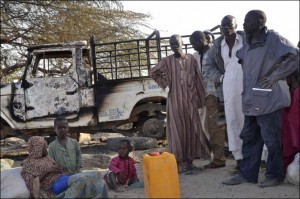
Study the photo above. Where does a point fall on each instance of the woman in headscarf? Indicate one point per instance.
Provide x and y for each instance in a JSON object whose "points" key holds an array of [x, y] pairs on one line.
{"points": [[46, 179]]}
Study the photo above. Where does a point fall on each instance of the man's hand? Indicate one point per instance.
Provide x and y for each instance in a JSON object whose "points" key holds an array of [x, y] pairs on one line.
{"points": [[266, 82]]}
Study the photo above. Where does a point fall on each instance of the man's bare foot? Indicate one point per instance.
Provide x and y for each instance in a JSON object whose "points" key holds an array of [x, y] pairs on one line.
{"points": [[182, 167], [191, 166]]}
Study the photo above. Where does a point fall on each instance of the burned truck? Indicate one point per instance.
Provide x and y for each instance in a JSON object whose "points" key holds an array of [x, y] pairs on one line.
{"points": [[99, 86], [96, 86]]}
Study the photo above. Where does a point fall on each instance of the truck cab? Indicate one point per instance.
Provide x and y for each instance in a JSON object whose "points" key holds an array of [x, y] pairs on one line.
{"points": [[57, 80]]}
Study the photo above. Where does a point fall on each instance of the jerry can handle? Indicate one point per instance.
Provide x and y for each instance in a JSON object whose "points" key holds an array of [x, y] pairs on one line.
{"points": [[155, 153]]}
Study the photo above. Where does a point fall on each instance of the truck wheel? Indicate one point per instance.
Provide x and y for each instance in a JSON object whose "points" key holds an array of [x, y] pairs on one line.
{"points": [[153, 128]]}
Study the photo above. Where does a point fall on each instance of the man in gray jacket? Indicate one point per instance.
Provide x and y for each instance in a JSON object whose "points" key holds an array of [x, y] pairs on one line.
{"points": [[221, 66], [267, 59]]}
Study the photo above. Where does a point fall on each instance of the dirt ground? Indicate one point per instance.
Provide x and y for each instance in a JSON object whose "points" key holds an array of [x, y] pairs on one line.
{"points": [[206, 184]]}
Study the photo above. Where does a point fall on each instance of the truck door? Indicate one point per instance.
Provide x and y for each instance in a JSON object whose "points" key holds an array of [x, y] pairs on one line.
{"points": [[51, 87]]}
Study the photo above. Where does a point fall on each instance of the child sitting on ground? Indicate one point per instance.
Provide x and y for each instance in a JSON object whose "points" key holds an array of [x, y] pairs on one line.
{"points": [[122, 172]]}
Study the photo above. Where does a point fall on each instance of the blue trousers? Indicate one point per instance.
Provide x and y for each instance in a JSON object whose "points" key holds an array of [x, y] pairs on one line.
{"points": [[60, 185], [256, 131]]}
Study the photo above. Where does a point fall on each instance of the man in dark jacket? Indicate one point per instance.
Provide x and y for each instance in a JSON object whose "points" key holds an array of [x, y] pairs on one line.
{"points": [[267, 59]]}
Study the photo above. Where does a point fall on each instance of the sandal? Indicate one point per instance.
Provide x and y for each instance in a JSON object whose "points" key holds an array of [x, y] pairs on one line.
{"points": [[182, 168], [183, 171], [234, 180], [236, 169], [191, 166], [269, 183], [190, 172], [213, 165], [193, 172]]}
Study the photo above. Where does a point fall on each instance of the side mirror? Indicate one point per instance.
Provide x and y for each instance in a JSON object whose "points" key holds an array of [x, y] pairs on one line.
{"points": [[25, 84]]}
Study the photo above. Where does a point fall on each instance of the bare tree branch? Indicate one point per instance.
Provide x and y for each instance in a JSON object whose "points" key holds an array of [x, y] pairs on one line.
{"points": [[31, 22]]}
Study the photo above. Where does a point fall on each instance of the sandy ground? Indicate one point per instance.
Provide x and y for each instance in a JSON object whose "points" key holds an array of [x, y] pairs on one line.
{"points": [[206, 184]]}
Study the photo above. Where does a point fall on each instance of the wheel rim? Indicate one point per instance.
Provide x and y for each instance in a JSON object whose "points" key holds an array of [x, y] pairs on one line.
{"points": [[153, 128]]}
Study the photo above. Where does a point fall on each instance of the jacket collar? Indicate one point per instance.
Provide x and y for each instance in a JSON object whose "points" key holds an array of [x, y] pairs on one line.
{"points": [[217, 41], [261, 38]]}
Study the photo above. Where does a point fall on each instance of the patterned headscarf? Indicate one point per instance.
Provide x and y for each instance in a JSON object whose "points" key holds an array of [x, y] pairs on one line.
{"points": [[36, 164], [36, 146]]}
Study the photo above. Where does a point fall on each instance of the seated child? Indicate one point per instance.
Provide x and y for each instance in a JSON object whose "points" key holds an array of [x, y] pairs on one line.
{"points": [[122, 171]]}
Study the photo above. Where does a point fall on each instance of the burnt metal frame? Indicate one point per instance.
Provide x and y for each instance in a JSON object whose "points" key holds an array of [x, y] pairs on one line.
{"points": [[148, 50]]}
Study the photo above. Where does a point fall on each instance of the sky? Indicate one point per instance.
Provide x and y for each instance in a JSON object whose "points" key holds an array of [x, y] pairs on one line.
{"points": [[184, 17]]}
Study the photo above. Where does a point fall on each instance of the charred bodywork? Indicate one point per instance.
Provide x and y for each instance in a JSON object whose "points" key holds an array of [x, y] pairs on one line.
{"points": [[97, 86]]}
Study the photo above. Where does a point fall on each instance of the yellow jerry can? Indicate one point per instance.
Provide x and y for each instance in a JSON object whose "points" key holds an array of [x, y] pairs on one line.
{"points": [[160, 175]]}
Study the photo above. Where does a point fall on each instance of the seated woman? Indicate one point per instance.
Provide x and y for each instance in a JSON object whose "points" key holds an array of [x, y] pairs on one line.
{"points": [[46, 179]]}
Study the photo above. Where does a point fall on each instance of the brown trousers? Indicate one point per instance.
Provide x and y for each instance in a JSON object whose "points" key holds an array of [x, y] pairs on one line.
{"points": [[216, 133]]}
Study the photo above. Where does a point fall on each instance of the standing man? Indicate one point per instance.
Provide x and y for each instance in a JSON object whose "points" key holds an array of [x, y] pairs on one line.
{"points": [[181, 74], [221, 66], [267, 59], [201, 42], [64, 150]]}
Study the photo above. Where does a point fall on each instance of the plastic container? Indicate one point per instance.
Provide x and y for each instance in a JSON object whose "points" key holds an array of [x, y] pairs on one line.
{"points": [[160, 176]]}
